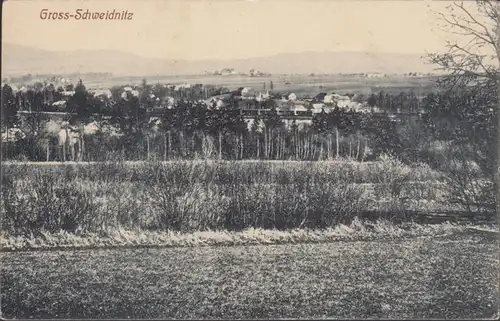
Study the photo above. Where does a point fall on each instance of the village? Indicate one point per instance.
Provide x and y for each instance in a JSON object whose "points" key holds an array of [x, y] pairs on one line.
{"points": [[51, 97]]}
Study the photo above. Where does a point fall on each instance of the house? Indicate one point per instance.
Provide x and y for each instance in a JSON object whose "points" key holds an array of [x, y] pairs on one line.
{"points": [[300, 109], [319, 97], [375, 75], [227, 71], [182, 86], [256, 73], [285, 105], [216, 101], [318, 108], [329, 99], [101, 93], [263, 97], [292, 97], [343, 101], [60, 105], [247, 92]]}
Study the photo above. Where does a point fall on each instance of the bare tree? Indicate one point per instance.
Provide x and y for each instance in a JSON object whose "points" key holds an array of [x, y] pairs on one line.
{"points": [[474, 56]]}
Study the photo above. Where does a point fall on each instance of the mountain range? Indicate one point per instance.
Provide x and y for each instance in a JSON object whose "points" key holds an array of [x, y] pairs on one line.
{"points": [[18, 60]]}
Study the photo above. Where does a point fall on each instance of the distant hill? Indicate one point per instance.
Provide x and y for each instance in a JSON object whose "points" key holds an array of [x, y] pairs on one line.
{"points": [[18, 60]]}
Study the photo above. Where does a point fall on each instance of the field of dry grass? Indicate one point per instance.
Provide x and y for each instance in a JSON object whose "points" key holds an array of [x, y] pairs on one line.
{"points": [[357, 230], [448, 276]]}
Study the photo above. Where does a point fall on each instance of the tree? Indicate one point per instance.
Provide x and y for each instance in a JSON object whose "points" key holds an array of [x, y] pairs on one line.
{"points": [[466, 120], [477, 54], [79, 104], [273, 119], [34, 124], [9, 111], [372, 100], [473, 61], [320, 122]]}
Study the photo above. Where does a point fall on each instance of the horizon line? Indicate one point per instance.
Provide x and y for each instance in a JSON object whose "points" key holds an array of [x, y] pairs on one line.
{"points": [[214, 59]]}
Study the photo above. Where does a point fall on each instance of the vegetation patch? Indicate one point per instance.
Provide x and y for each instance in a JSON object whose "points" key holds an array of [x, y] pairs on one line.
{"points": [[453, 276], [120, 238], [192, 196]]}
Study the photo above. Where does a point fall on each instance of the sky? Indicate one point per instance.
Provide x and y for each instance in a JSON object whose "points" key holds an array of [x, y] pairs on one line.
{"points": [[228, 29]]}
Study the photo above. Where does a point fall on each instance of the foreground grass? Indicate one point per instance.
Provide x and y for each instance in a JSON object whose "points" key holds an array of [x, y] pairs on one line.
{"points": [[455, 276], [356, 231]]}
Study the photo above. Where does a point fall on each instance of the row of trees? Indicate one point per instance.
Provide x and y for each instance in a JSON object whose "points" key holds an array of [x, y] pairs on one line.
{"points": [[190, 129], [406, 102], [338, 133]]}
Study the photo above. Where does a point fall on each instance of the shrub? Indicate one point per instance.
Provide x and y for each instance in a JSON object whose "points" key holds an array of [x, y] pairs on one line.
{"points": [[46, 202], [203, 195]]}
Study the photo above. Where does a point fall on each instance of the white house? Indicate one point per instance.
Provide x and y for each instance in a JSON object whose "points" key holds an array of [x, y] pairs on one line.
{"points": [[343, 101], [317, 108], [329, 99], [247, 92], [263, 97], [101, 93], [59, 104], [299, 108], [182, 86]]}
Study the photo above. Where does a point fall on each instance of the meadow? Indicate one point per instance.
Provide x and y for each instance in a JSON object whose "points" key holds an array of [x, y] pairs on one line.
{"points": [[302, 85], [439, 276]]}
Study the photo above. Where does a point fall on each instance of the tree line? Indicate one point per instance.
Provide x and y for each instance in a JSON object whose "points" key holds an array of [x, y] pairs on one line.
{"points": [[190, 128]]}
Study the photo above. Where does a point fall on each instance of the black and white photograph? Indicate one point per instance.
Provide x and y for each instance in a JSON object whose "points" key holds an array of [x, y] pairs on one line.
{"points": [[250, 159]]}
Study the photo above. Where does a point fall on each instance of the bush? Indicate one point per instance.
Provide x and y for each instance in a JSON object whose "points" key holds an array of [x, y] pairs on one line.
{"points": [[46, 202], [202, 195]]}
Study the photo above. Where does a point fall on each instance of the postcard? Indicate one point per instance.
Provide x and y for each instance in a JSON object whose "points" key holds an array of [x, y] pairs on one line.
{"points": [[264, 159]]}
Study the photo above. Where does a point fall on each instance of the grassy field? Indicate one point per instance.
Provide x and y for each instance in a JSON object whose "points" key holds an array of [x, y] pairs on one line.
{"points": [[299, 84], [357, 230], [451, 276]]}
